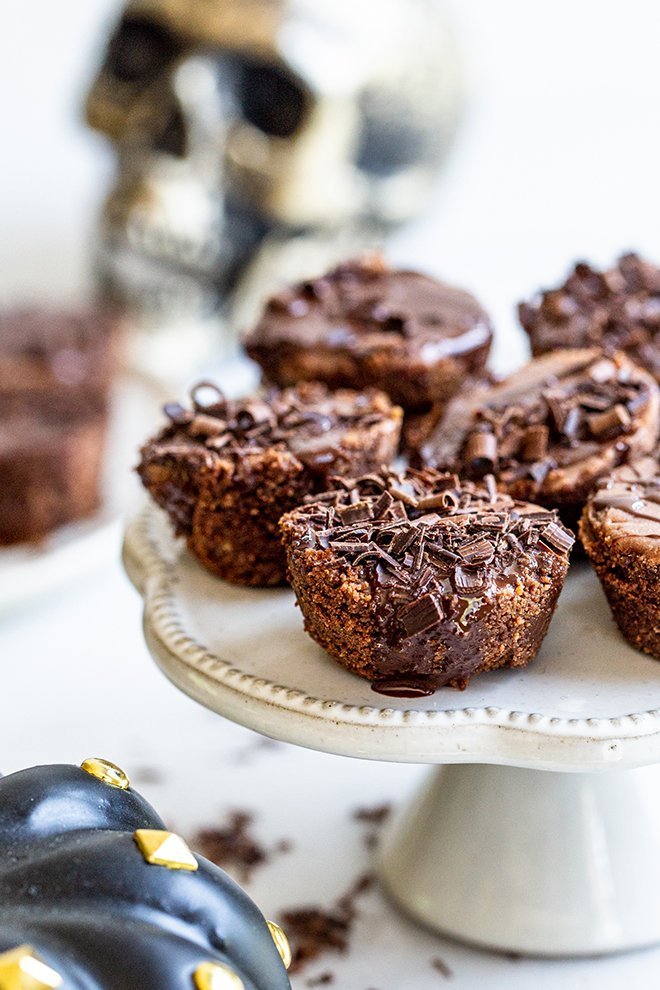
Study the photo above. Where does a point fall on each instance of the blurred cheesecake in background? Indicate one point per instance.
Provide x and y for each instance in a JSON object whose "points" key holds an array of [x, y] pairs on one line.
{"points": [[56, 372]]}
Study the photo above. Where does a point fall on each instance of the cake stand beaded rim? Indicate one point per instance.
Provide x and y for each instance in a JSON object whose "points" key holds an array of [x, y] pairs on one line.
{"points": [[155, 577]]}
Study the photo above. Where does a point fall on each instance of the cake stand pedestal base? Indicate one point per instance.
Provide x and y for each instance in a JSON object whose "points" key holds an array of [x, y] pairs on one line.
{"points": [[531, 861]]}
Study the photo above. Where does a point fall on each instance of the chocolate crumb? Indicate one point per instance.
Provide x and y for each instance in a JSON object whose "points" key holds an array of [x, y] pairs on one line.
{"points": [[374, 817], [377, 815], [312, 931], [234, 848], [322, 980], [440, 966]]}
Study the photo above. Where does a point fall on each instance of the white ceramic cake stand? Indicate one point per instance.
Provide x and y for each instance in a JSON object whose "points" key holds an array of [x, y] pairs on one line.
{"points": [[517, 842]]}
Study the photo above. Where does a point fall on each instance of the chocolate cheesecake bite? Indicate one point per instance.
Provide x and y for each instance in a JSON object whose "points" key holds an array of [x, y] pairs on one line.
{"points": [[365, 324], [226, 470], [551, 430], [418, 580], [620, 531], [617, 309], [56, 372]]}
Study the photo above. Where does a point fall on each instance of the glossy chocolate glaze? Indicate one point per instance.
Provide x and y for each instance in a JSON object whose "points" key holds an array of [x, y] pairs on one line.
{"points": [[366, 324], [370, 305], [641, 501], [551, 430], [75, 887]]}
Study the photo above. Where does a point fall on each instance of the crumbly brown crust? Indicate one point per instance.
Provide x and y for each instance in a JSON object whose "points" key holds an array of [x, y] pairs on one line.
{"points": [[551, 430], [226, 471], [55, 376], [364, 324], [620, 531], [418, 581], [618, 310]]}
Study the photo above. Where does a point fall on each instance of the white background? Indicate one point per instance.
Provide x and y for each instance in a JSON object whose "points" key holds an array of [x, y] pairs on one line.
{"points": [[558, 158]]}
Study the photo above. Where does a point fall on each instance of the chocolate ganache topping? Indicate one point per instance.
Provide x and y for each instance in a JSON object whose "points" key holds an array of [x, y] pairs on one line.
{"points": [[639, 498], [438, 555], [618, 309], [372, 305], [364, 323], [310, 421], [551, 429]]}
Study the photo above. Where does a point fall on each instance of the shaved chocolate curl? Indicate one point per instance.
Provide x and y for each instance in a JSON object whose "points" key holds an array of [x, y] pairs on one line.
{"points": [[481, 453], [420, 615], [535, 442], [610, 422]]}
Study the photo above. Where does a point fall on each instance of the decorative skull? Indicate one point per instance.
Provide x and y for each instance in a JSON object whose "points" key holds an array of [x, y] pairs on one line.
{"points": [[243, 123]]}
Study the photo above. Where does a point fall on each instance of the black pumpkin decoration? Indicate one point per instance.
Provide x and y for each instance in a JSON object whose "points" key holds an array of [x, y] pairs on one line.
{"points": [[95, 894]]}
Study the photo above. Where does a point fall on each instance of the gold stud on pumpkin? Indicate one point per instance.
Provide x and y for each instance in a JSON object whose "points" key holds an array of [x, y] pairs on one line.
{"points": [[164, 849], [107, 772], [216, 976], [282, 943], [21, 969]]}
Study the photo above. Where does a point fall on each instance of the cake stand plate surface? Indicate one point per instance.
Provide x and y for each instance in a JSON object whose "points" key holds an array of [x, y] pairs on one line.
{"points": [[498, 852]]}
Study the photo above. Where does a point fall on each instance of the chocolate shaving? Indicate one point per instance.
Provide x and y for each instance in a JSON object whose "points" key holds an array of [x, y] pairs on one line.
{"points": [[402, 540], [219, 395], [557, 538], [436, 501], [344, 546], [481, 454], [535, 442], [405, 494], [382, 504], [479, 551], [610, 423], [465, 580], [420, 615], [177, 414], [355, 513], [206, 426]]}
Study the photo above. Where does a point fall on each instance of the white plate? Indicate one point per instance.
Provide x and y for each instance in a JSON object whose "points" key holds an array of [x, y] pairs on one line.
{"points": [[28, 572], [588, 702]]}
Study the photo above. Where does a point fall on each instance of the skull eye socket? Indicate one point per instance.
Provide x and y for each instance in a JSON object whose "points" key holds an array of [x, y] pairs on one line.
{"points": [[139, 51], [270, 98]]}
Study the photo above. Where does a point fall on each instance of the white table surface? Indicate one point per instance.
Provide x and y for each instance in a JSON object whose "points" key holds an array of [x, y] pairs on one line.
{"points": [[559, 159]]}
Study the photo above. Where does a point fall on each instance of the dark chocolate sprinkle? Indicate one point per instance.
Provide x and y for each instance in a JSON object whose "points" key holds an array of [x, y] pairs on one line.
{"points": [[420, 615]]}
